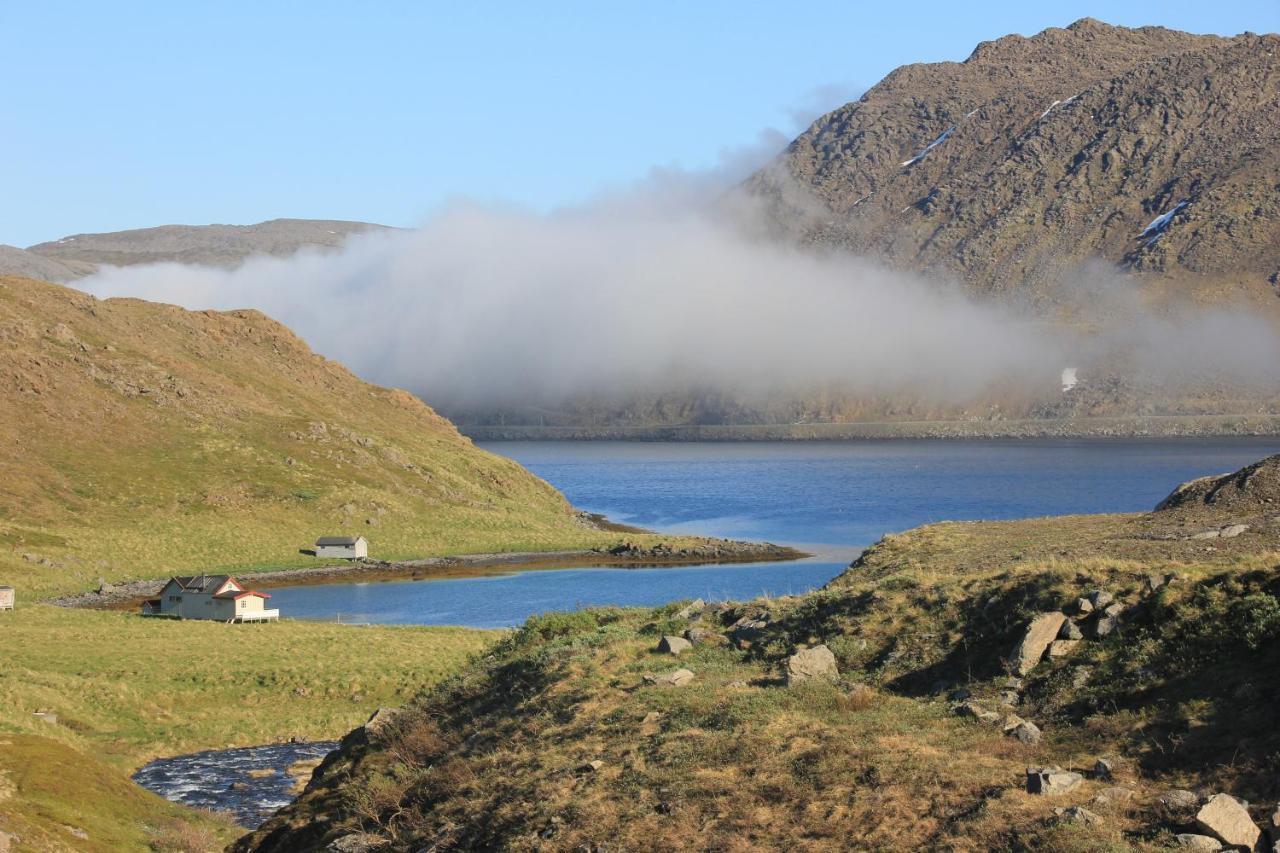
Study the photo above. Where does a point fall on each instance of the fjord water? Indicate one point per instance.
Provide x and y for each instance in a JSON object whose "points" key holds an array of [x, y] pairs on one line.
{"points": [[829, 498]]}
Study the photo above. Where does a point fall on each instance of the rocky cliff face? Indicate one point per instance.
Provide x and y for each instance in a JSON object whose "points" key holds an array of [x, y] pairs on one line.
{"points": [[1051, 151]]}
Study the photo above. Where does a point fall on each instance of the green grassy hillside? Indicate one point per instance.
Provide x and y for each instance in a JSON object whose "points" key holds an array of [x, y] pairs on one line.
{"points": [[562, 739], [139, 440]]}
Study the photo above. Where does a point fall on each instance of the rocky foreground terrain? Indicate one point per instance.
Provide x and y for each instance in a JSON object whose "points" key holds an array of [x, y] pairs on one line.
{"points": [[1077, 683], [224, 246]]}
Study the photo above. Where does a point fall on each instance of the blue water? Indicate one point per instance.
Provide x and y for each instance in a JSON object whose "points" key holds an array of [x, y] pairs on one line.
{"points": [[831, 498]]}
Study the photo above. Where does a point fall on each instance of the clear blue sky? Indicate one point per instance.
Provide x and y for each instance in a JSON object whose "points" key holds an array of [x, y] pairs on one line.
{"points": [[122, 114]]}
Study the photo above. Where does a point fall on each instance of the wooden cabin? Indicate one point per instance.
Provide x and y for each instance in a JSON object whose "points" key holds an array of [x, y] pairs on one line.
{"points": [[343, 547], [218, 597], [6, 598]]}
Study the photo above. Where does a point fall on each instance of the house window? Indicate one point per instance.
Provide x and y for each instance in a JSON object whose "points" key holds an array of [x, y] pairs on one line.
{"points": [[244, 604]]}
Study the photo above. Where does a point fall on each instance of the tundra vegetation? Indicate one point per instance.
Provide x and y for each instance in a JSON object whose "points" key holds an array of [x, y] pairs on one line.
{"points": [[885, 711]]}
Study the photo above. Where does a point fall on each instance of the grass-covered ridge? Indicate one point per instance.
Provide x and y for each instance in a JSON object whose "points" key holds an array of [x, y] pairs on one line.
{"points": [[139, 439], [556, 740]]}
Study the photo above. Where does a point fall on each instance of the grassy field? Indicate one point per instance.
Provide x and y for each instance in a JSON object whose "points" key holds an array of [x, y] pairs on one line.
{"points": [[126, 689]]}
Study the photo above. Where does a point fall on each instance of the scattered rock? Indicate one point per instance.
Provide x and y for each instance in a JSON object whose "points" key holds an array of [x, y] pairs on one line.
{"points": [[379, 722], [1062, 648], [1084, 606], [677, 678], [1078, 814], [592, 766], [1040, 633], [814, 663], [746, 631], [692, 609], [1189, 841], [1226, 818], [1100, 598], [703, 637], [1231, 531], [1025, 731], [737, 685], [1113, 795], [1275, 820], [1103, 769], [1010, 698], [1050, 781], [1106, 621], [1177, 806], [78, 832], [1070, 631], [358, 842], [1208, 534], [1151, 583], [973, 709], [673, 645]]}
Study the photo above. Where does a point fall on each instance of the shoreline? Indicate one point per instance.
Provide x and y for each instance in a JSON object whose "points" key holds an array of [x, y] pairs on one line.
{"points": [[128, 595], [1146, 426]]}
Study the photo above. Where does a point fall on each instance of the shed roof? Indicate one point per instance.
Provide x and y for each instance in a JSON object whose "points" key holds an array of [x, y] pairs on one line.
{"points": [[202, 583], [339, 540]]}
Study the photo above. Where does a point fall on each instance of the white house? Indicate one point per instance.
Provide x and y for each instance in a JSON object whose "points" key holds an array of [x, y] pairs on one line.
{"points": [[219, 597], [6, 598], [345, 547]]}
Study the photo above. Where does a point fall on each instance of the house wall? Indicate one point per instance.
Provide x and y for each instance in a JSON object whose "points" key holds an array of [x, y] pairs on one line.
{"points": [[6, 599], [345, 552]]}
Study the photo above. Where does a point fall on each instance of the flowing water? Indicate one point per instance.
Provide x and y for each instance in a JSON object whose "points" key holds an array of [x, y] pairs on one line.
{"points": [[249, 782]]}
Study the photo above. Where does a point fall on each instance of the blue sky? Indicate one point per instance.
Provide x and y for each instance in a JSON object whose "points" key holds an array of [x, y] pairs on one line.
{"points": [[123, 115]]}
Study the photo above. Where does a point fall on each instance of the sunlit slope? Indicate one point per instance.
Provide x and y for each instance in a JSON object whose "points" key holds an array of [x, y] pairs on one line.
{"points": [[138, 439]]}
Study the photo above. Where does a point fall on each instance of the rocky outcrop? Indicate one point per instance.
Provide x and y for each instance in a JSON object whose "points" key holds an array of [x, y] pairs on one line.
{"points": [[1227, 819], [1051, 781], [1035, 642], [817, 663], [673, 645], [1253, 490]]}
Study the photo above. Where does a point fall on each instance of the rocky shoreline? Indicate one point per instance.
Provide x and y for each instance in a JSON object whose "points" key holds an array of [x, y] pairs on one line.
{"points": [[1152, 426], [698, 552]]}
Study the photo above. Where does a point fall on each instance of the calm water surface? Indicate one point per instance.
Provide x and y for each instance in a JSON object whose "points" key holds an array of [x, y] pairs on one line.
{"points": [[831, 498]]}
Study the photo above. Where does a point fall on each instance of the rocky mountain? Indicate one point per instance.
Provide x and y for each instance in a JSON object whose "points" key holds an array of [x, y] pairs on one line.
{"points": [[207, 245], [1154, 150]]}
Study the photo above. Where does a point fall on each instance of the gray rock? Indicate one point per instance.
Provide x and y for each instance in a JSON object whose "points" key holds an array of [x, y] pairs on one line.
{"points": [[676, 678], [1035, 641], [1103, 769], [692, 609], [1051, 781], [1070, 631], [1177, 806], [1084, 606], [704, 637], [809, 664], [592, 766], [1207, 534], [1275, 820], [977, 712], [745, 631], [1189, 841], [673, 645], [1010, 698], [1233, 530], [1227, 819], [1100, 598], [1025, 731], [1113, 795], [358, 842], [379, 723], [1078, 814]]}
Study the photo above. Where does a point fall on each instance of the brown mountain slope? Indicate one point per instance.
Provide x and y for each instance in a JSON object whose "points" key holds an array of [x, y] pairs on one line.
{"points": [[139, 439], [1064, 146], [206, 245]]}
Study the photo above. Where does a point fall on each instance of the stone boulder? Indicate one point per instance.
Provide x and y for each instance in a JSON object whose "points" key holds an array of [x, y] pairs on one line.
{"points": [[1190, 841], [1177, 806], [1078, 814], [1062, 648], [1070, 631], [692, 609], [1035, 642], [1100, 598], [977, 712], [673, 645], [746, 631], [677, 678], [1227, 819], [380, 724], [1231, 531], [1051, 781], [813, 663], [1025, 731], [705, 637]]}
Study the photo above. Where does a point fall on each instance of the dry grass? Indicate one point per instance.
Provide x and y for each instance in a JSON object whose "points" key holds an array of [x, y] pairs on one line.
{"points": [[738, 761]]}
